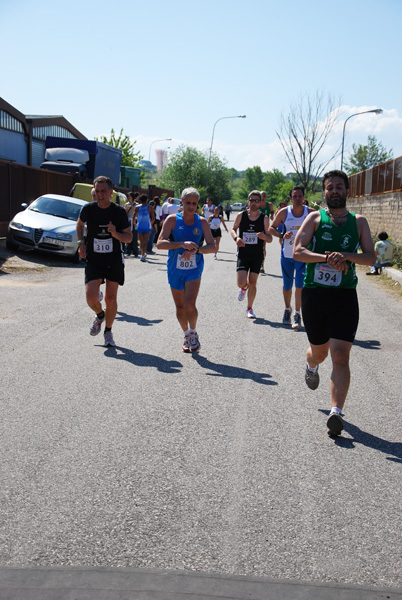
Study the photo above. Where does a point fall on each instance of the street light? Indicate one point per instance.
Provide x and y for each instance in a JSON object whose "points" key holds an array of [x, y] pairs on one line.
{"points": [[212, 141], [377, 111], [154, 142]]}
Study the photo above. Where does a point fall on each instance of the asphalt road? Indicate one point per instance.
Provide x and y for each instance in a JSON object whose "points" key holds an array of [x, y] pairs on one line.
{"points": [[142, 456]]}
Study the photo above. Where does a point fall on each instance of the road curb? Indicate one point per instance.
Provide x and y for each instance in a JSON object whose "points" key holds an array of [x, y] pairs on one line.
{"points": [[107, 583]]}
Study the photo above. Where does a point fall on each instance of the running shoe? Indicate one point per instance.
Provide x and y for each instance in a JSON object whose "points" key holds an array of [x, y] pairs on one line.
{"points": [[109, 341], [312, 379], [215, 257], [286, 316], [335, 424], [194, 342], [250, 313], [296, 322], [186, 343], [242, 294], [262, 270], [100, 295], [96, 326], [143, 258]]}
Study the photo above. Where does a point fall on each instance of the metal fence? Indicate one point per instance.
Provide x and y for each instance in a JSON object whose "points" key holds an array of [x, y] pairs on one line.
{"points": [[383, 178]]}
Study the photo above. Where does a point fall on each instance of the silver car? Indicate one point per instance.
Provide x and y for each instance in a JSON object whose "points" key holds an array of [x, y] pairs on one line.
{"points": [[47, 224]]}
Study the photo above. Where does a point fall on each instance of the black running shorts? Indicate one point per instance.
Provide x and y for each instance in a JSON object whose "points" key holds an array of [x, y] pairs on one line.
{"points": [[330, 313], [114, 272], [249, 264]]}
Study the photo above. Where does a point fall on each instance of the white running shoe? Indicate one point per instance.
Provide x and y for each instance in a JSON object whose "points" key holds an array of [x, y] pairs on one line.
{"points": [[186, 343], [250, 313], [242, 294], [109, 341], [96, 326], [194, 342], [215, 257]]}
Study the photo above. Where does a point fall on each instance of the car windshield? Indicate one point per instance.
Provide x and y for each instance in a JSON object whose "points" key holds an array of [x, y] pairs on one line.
{"points": [[56, 208]]}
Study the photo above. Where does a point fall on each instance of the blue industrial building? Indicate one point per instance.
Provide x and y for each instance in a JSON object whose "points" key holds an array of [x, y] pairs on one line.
{"points": [[23, 137]]}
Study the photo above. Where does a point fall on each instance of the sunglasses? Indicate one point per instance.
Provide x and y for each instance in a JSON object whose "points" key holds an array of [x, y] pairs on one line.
{"points": [[254, 200]]}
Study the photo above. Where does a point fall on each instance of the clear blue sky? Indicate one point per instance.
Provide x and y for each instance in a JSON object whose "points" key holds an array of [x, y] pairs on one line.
{"points": [[171, 69]]}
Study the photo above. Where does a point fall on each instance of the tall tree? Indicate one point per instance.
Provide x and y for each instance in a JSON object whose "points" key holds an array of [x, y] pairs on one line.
{"points": [[189, 167], [304, 132], [370, 155], [253, 179], [130, 157]]}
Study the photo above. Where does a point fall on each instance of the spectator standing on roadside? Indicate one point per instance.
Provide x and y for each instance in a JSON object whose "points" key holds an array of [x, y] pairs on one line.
{"points": [[228, 210]]}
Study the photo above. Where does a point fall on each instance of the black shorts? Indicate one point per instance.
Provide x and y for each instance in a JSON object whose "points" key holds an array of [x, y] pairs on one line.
{"points": [[114, 272], [329, 313], [249, 264], [216, 232]]}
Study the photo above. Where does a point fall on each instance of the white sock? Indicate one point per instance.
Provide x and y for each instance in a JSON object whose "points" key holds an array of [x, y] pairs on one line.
{"points": [[311, 368], [335, 411], [297, 312], [187, 332]]}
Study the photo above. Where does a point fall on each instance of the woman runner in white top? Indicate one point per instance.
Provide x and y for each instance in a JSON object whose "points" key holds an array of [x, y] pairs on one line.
{"points": [[215, 221]]}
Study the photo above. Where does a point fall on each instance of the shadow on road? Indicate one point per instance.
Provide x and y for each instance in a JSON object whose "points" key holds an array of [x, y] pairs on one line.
{"points": [[368, 344], [275, 325], [140, 359], [232, 372], [138, 320], [369, 440]]}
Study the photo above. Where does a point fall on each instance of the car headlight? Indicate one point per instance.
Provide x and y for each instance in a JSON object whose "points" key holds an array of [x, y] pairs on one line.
{"points": [[20, 227], [65, 237]]}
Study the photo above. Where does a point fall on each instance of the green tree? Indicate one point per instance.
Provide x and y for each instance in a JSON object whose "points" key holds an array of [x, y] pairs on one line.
{"points": [[188, 167], [271, 180], [253, 179], [370, 155], [130, 157]]}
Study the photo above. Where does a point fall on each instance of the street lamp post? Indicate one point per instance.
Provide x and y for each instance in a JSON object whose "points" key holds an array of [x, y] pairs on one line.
{"points": [[212, 141], [377, 111], [154, 142]]}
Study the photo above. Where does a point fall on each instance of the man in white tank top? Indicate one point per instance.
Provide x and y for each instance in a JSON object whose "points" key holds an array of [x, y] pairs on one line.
{"points": [[292, 218]]}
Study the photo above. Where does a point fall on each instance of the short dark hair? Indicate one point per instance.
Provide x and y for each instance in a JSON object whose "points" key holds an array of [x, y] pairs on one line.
{"points": [[335, 173], [103, 179], [297, 188], [383, 235], [143, 198]]}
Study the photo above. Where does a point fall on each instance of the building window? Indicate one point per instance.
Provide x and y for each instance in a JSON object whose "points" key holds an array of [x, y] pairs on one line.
{"points": [[9, 122], [41, 133]]}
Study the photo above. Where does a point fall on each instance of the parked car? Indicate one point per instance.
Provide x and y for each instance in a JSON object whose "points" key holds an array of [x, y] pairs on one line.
{"points": [[239, 205], [48, 224]]}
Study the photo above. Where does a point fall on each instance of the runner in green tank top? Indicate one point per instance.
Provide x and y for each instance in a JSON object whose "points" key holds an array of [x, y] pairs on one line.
{"points": [[328, 242]]}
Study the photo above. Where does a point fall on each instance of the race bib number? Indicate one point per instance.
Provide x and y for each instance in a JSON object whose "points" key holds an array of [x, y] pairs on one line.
{"points": [[186, 265], [103, 246], [250, 238], [325, 275]]}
